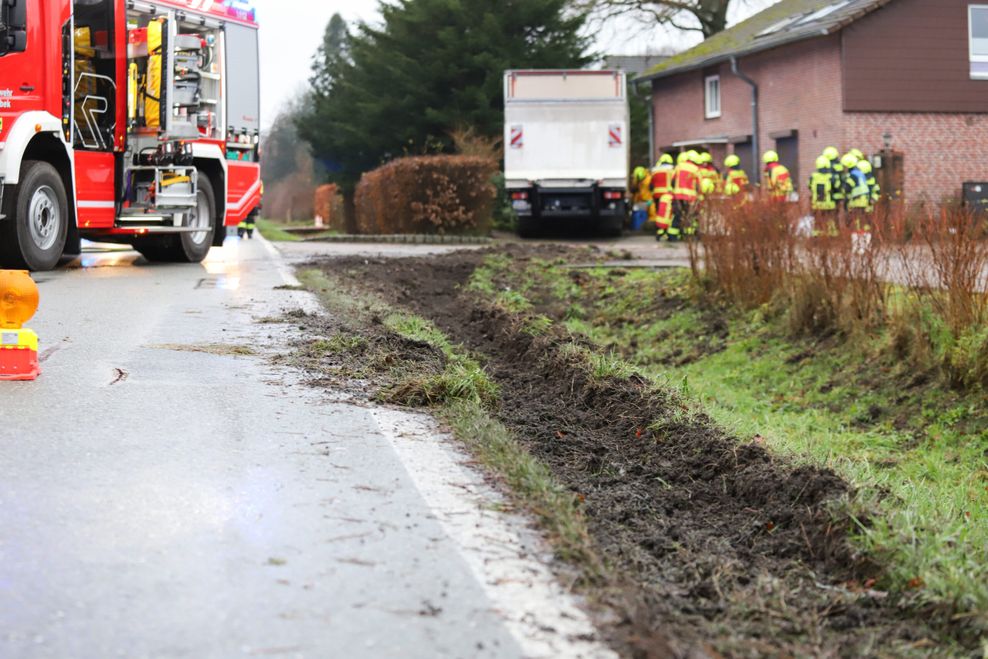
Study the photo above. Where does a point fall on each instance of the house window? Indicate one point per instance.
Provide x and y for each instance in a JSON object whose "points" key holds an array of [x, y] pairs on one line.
{"points": [[712, 96], [978, 40]]}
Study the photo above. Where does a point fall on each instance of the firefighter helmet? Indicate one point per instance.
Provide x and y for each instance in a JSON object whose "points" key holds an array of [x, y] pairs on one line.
{"points": [[640, 174], [694, 157], [683, 158], [706, 158], [770, 157], [732, 161], [823, 162], [849, 160], [858, 154], [666, 159], [864, 167], [831, 153]]}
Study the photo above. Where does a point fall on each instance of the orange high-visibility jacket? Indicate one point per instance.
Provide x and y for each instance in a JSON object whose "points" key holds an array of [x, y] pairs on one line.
{"points": [[644, 192], [779, 182], [736, 182], [663, 211], [662, 180], [686, 182]]}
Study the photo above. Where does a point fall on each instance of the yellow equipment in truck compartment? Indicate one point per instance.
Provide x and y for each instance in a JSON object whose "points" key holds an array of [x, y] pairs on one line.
{"points": [[155, 74], [133, 82]]}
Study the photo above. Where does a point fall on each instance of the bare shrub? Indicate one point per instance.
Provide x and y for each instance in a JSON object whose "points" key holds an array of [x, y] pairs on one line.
{"points": [[747, 248], [826, 274]]}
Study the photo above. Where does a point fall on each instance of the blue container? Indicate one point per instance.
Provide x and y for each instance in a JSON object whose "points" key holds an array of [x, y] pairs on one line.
{"points": [[638, 220]]}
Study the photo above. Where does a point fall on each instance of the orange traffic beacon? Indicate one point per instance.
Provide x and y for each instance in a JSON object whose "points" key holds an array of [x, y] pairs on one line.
{"points": [[18, 346]]}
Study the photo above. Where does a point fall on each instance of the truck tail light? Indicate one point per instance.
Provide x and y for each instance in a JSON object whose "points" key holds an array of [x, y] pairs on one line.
{"points": [[519, 196], [613, 196]]}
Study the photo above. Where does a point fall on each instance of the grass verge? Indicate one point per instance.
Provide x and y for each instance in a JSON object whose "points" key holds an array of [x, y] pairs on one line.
{"points": [[916, 451], [275, 232]]}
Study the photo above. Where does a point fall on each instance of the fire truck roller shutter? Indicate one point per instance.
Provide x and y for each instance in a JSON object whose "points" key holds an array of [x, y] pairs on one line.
{"points": [[243, 72]]}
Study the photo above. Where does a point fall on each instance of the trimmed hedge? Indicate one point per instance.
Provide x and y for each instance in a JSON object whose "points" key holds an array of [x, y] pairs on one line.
{"points": [[428, 195]]}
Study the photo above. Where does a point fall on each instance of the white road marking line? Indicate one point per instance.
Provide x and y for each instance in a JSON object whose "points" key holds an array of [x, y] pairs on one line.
{"points": [[539, 613]]}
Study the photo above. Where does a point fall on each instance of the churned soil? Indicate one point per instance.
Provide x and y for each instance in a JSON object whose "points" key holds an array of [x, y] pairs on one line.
{"points": [[714, 546]]}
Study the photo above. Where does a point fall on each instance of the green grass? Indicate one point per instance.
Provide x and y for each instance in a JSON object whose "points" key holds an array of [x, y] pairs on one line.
{"points": [[918, 457], [275, 232], [932, 496]]}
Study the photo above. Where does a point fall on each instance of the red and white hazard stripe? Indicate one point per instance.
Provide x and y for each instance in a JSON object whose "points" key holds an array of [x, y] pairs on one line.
{"points": [[517, 137], [615, 135]]}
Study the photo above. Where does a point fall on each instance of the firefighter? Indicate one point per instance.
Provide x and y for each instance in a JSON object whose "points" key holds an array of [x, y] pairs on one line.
{"points": [[859, 202], [736, 181], [642, 196], [777, 177], [709, 176], [661, 188], [685, 192], [848, 163], [640, 181], [876, 190], [822, 198], [833, 155], [246, 227]]}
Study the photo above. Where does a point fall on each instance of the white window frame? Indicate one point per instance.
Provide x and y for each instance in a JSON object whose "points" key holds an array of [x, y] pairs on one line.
{"points": [[972, 57], [712, 111]]}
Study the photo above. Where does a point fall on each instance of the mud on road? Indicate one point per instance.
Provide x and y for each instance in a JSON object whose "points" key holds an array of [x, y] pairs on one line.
{"points": [[713, 546]]}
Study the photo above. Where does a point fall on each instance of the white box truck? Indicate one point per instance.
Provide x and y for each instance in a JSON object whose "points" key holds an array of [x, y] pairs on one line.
{"points": [[567, 147]]}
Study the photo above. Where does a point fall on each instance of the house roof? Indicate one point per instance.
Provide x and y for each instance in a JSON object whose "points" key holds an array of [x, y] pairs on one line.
{"points": [[633, 65], [785, 22]]}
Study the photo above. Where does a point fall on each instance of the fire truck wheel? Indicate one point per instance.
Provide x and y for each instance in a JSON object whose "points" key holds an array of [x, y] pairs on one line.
{"points": [[33, 235], [186, 247]]}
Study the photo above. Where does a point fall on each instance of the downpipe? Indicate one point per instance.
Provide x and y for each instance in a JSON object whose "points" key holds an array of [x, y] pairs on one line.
{"points": [[736, 70]]}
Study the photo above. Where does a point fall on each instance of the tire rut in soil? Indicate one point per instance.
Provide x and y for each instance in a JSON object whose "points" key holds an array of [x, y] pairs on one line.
{"points": [[718, 546]]}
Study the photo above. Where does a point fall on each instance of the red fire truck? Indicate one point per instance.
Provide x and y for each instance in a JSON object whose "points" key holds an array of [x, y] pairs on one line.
{"points": [[127, 121]]}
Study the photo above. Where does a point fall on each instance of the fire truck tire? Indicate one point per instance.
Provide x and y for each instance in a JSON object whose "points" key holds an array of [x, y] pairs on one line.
{"points": [[33, 235], [186, 247]]}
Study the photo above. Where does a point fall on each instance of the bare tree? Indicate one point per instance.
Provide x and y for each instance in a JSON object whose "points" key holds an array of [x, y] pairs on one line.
{"points": [[705, 16]]}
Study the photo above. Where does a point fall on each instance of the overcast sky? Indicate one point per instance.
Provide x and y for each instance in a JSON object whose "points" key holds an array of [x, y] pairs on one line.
{"points": [[291, 31]]}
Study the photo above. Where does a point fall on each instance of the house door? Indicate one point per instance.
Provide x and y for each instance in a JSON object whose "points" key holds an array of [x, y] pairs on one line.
{"points": [[788, 150], [749, 161], [891, 174]]}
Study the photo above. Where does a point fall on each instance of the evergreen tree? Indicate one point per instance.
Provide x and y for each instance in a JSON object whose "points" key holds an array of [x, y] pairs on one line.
{"points": [[334, 48], [430, 67]]}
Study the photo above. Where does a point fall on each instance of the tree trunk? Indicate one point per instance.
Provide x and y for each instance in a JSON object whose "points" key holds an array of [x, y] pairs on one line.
{"points": [[712, 15]]}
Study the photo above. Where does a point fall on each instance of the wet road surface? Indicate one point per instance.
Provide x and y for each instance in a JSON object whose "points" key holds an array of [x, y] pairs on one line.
{"points": [[165, 494]]}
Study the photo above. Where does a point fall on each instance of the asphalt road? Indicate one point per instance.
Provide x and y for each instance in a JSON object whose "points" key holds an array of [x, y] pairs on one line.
{"points": [[161, 496]]}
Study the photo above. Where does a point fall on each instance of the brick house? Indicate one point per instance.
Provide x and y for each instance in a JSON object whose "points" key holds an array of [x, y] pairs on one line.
{"points": [[904, 80]]}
